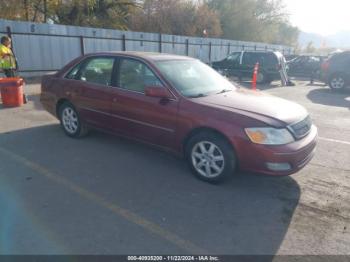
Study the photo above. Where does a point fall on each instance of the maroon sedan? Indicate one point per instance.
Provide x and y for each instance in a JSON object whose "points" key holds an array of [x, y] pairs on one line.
{"points": [[182, 105]]}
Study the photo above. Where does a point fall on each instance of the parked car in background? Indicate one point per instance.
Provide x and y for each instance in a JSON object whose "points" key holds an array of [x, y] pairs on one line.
{"points": [[335, 71], [290, 57], [182, 105], [241, 65], [306, 66]]}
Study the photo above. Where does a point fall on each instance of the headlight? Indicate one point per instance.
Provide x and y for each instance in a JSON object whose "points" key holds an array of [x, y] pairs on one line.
{"points": [[269, 136]]}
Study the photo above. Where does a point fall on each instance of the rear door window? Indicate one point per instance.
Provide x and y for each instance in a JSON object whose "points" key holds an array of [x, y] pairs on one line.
{"points": [[270, 60], [252, 58], [314, 59], [234, 57], [97, 71]]}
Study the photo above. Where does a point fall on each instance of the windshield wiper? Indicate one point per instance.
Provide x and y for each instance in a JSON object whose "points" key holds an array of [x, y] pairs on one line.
{"points": [[198, 96], [224, 91]]}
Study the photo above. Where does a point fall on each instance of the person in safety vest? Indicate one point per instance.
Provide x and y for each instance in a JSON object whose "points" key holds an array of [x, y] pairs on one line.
{"points": [[8, 62], [7, 59]]}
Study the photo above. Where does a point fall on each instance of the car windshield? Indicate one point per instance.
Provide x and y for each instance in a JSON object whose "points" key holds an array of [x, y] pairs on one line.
{"points": [[193, 78]]}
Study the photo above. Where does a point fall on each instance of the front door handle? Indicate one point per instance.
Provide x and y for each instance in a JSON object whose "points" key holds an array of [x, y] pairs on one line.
{"points": [[115, 100]]}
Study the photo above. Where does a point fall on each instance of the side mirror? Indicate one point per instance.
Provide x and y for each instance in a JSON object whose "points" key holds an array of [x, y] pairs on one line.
{"points": [[158, 92]]}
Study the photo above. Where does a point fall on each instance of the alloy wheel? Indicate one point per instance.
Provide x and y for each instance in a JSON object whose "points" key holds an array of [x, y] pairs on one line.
{"points": [[207, 159], [337, 83], [70, 120]]}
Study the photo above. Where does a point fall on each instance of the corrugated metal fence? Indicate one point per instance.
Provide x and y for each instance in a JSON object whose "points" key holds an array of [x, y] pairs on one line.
{"points": [[42, 48]]}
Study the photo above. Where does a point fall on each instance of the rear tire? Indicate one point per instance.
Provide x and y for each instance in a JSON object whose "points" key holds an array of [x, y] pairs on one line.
{"points": [[268, 80], [261, 78], [337, 82], [71, 122], [210, 157]]}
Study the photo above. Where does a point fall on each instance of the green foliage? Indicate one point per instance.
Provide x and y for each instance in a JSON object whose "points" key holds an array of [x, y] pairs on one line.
{"points": [[310, 48], [179, 17], [246, 20], [255, 20], [98, 13]]}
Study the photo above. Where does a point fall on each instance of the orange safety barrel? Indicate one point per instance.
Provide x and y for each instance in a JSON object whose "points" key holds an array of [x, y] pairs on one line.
{"points": [[12, 91]]}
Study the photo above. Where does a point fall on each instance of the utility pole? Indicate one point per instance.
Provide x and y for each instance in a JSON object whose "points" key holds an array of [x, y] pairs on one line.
{"points": [[45, 11], [26, 9]]}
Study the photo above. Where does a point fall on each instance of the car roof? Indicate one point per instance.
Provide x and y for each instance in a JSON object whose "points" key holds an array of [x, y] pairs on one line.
{"points": [[153, 56], [260, 51], [277, 53], [345, 52]]}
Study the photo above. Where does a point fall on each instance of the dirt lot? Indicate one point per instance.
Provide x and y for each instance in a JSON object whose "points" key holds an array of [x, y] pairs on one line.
{"points": [[106, 195]]}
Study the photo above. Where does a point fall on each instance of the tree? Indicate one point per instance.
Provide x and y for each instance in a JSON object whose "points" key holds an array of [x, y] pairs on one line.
{"points": [[286, 34], [98, 13], [207, 19], [255, 20], [179, 17], [246, 20], [13, 10], [310, 48]]}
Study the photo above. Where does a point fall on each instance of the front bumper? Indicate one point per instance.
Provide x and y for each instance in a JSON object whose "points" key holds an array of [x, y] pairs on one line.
{"points": [[260, 158]]}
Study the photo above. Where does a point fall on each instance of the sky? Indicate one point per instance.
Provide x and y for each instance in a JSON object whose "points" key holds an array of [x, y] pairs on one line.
{"points": [[325, 17]]}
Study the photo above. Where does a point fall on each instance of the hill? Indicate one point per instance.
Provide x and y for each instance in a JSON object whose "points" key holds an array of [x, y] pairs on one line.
{"points": [[338, 40]]}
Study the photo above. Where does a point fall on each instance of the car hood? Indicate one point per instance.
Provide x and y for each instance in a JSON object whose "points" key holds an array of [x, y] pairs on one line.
{"points": [[257, 105]]}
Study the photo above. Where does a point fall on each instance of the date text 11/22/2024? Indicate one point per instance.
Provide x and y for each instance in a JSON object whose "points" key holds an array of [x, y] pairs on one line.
{"points": [[173, 258]]}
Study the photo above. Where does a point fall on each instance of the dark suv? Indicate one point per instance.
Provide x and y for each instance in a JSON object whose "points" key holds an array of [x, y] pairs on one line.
{"points": [[305, 66], [241, 64], [336, 71]]}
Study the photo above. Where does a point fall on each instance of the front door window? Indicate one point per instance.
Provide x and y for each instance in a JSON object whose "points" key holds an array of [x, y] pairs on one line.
{"points": [[135, 76]]}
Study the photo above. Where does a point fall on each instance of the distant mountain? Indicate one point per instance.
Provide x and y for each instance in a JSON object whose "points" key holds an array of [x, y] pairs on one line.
{"points": [[338, 40]]}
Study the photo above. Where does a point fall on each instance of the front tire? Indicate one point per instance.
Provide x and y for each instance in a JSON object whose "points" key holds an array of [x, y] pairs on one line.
{"points": [[210, 157], [71, 122], [337, 82]]}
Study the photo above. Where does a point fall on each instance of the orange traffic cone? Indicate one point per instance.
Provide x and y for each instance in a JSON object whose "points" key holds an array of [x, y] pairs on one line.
{"points": [[255, 76]]}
